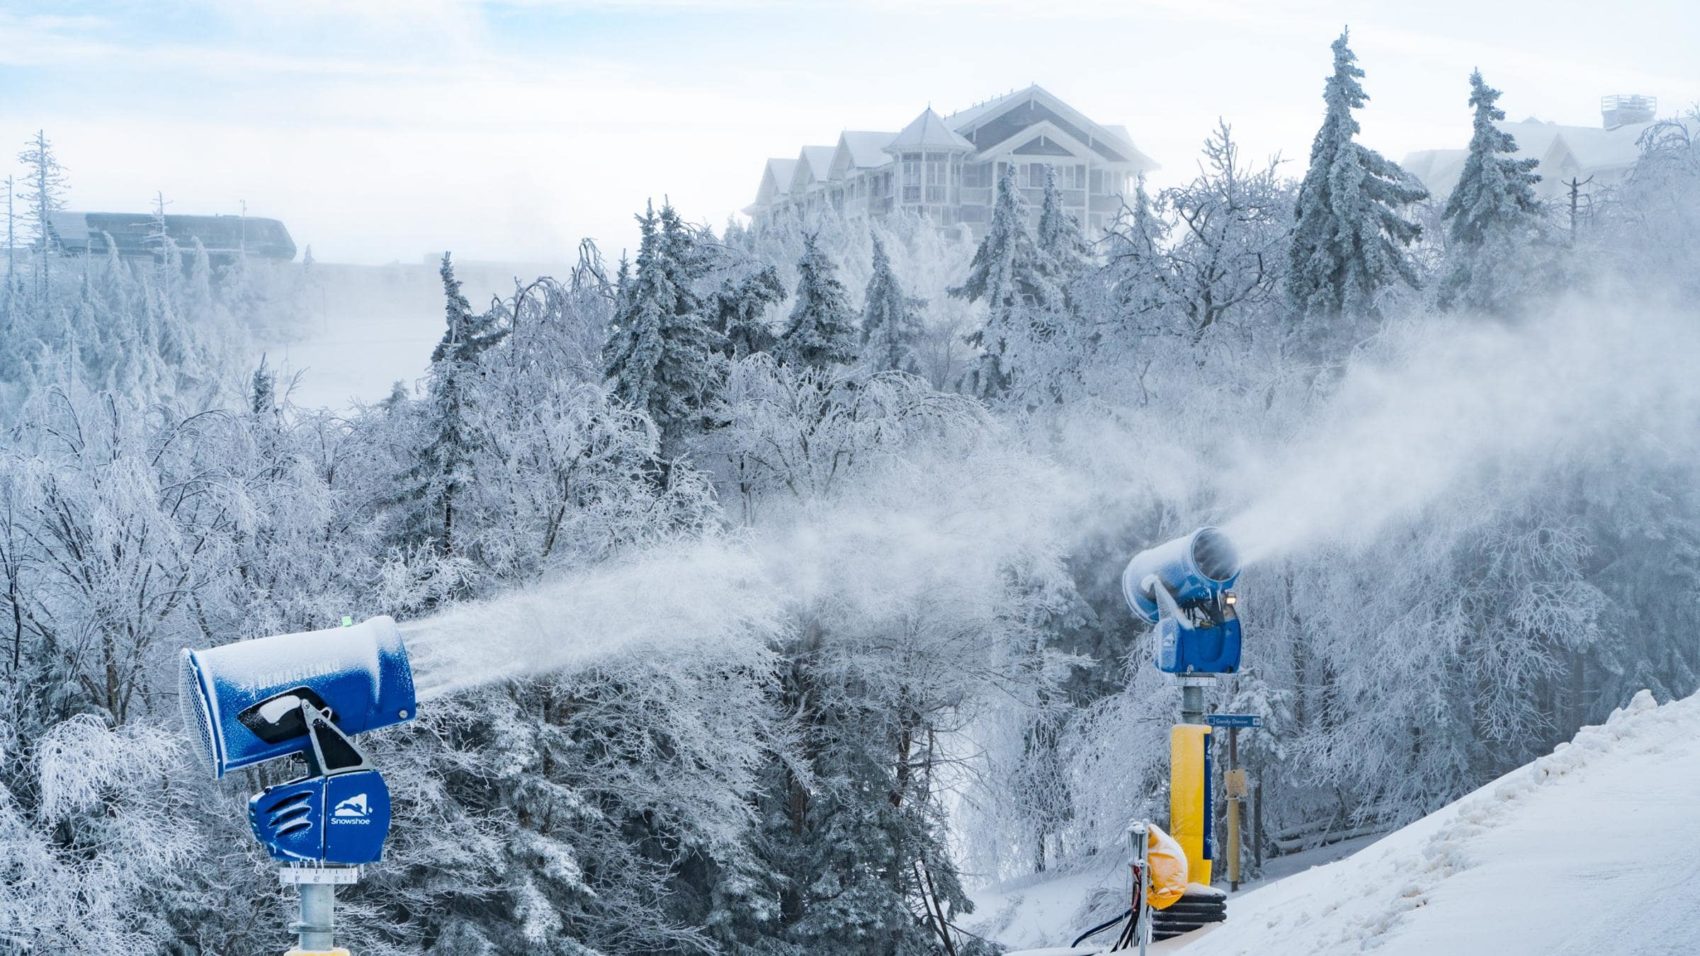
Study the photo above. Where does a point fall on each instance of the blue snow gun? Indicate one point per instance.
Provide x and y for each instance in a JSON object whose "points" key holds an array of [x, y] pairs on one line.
{"points": [[304, 695], [1185, 588]]}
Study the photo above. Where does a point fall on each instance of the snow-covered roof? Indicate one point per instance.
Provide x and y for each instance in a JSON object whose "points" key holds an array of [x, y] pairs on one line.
{"points": [[1112, 143], [814, 165], [69, 228], [865, 148], [1563, 151], [965, 118], [928, 131], [1603, 149], [775, 179]]}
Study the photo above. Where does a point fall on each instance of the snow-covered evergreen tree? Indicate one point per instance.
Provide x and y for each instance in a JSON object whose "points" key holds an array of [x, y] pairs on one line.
{"points": [[1059, 234], [892, 327], [1011, 275], [660, 353], [821, 331], [740, 311], [1492, 213], [442, 469], [1350, 237]]}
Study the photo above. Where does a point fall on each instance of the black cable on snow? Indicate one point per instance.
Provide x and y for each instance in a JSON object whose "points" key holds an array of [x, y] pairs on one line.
{"points": [[1101, 927]]}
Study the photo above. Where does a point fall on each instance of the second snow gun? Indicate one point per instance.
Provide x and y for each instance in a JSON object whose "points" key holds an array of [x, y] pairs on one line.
{"points": [[1185, 587]]}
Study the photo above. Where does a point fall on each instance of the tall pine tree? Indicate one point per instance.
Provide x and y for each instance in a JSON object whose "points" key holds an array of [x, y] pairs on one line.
{"points": [[740, 308], [443, 469], [821, 331], [1059, 235], [891, 320], [1010, 273], [659, 356], [1349, 240], [1490, 211]]}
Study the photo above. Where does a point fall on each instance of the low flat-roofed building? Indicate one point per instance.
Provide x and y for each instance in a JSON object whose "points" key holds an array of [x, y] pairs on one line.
{"points": [[131, 235]]}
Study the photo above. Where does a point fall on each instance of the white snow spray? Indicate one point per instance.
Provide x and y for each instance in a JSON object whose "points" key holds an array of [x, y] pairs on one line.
{"points": [[1448, 402], [702, 597], [1465, 399], [914, 535]]}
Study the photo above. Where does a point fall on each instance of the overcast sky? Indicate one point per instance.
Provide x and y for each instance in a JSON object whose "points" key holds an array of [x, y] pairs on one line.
{"points": [[388, 130]]}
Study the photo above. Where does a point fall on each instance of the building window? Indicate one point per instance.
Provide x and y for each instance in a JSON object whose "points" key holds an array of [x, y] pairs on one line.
{"points": [[1097, 180], [1036, 175]]}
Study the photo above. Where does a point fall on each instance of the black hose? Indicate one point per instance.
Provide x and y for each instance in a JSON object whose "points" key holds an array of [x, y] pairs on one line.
{"points": [[1101, 927]]}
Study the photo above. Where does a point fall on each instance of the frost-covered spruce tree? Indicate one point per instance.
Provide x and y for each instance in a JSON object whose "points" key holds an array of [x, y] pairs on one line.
{"points": [[1060, 236], [443, 467], [821, 331], [1009, 274], [1491, 210], [891, 320], [659, 356], [1348, 244], [740, 312]]}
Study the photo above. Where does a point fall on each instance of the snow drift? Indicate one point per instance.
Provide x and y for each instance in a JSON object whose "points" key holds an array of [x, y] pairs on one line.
{"points": [[1594, 848]]}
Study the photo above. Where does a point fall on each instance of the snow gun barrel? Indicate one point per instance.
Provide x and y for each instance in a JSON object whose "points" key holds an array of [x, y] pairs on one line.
{"points": [[1194, 569], [252, 701]]}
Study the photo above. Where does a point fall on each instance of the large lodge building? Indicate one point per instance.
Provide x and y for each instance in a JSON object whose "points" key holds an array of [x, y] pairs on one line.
{"points": [[947, 167]]}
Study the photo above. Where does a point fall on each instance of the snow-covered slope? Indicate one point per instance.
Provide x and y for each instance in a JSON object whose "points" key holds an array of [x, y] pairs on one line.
{"points": [[1593, 849]]}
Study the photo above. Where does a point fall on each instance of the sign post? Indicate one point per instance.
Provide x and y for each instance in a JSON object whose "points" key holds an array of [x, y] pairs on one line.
{"points": [[1234, 784]]}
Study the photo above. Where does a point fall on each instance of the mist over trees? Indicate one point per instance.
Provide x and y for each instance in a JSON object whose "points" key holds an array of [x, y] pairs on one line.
{"points": [[1019, 414]]}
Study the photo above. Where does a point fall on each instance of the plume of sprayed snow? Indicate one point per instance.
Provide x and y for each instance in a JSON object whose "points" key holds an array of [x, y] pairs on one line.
{"points": [[919, 534], [1449, 402], [1463, 398], [683, 599]]}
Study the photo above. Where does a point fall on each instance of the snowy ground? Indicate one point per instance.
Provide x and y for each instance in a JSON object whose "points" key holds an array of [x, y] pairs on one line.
{"points": [[1034, 912], [1594, 849]]}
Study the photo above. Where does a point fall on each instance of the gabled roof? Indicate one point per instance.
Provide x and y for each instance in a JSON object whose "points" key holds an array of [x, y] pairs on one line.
{"points": [[965, 119], [1601, 149], [814, 165], [981, 125], [928, 131], [860, 149], [1043, 138], [775, 179], [1562, 150]]}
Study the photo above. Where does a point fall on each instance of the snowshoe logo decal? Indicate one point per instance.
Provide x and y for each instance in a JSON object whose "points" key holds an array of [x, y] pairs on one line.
{"points": [[352, 810]]}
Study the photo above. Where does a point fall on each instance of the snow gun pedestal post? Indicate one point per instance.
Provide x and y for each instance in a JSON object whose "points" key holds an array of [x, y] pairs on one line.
{"points": [[1193, 687], [1191, 790], [315, 929], [1140, 861]]}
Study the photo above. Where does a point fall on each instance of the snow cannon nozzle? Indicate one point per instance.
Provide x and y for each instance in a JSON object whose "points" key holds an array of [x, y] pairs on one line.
{"points": [[1195, 569], [305, 695], [243, 703], [1185, 587]]}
